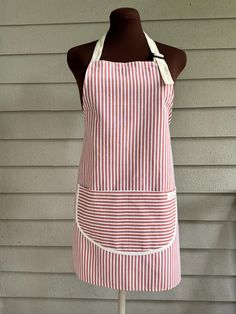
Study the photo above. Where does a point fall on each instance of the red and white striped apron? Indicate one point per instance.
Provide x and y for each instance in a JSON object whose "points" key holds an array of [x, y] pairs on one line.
{"points": [[126, 232]]}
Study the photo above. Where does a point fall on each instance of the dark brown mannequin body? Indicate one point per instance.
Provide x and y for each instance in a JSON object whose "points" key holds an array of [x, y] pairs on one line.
{"points": [[125, 42]]}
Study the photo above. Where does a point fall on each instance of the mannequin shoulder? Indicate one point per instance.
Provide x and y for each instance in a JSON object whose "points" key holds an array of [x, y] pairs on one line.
{"points": [[173, 55], [79, 54]]}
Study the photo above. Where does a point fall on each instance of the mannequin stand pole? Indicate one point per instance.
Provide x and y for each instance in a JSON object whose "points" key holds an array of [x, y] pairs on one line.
{"points": [[121, 305]]}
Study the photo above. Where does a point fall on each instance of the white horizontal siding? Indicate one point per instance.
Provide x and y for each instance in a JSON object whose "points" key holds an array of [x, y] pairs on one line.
{"points": [[65, 96], [35, 206], [78, 11], [52, 68], [220, 234], [52, 259], [197, 288], [46, 305], [193, 122], [41, 140], [195, 179], [65, 152], [28, 39]]}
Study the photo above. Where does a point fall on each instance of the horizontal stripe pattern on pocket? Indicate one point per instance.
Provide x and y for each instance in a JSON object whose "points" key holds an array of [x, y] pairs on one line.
{"points": [[127, 221]]}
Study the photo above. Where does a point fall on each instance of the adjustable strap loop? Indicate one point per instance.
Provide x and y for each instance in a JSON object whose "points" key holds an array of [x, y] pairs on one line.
{"points": [[156, 56], [165, 72], [159, 59]]}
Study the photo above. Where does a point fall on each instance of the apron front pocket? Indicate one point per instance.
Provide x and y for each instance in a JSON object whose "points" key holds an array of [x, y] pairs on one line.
{"points": [[127, 222]]}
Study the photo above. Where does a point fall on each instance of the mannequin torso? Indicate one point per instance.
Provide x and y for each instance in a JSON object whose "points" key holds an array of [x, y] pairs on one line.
{"points": [[125, 42]]}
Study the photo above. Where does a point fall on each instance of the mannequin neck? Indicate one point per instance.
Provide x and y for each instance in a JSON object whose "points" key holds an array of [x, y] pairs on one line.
{"points": [[125, 22]]}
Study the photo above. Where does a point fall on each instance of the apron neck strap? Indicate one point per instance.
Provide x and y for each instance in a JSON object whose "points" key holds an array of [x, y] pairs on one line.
{"points": [[157, 56]]}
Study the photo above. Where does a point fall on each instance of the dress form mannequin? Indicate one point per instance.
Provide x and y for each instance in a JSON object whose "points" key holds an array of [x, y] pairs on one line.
{"points": [[125, 42]]}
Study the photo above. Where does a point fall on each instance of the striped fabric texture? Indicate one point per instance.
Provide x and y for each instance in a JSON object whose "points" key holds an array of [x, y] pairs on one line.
{"points": [[128, 221], [126, 233]]}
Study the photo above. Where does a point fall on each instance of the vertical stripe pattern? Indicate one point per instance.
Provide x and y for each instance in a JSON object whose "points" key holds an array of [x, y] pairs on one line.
{"points": [[126, 232], [127, 110], [153, 272]]}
